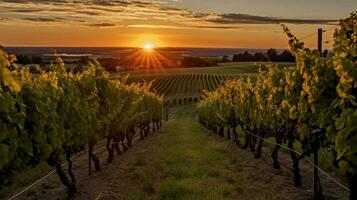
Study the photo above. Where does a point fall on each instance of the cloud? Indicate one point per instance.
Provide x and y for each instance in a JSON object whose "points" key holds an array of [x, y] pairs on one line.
{"points": [[156, 26], [129, 13], [36, 1], [103, 25], [160, 26], [87, 12], [4, 19], [41, 19], [218, 27], [32, 10], [253, 19]]}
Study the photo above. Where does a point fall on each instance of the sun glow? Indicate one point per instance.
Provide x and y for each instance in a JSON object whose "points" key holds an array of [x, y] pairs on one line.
{"points": [[148, 47], [146, 56]]}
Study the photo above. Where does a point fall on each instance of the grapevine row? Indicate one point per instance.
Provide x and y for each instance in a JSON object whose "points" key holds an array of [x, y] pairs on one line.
{"points": [[312, 103], [48, 115], [187, 87]]}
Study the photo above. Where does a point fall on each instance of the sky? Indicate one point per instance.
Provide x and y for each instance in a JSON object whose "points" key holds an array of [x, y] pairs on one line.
{"points": [[168, 23]]}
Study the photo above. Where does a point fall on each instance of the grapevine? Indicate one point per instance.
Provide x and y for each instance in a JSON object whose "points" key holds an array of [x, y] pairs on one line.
{"points": [[50, 114], [312, 103]]}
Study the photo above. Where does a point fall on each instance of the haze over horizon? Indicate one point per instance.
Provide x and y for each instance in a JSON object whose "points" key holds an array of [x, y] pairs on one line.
{"points": [[167, 23]]}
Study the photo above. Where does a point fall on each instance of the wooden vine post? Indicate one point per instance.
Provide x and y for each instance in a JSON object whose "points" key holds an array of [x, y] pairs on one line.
{"points": [[316, 181]]}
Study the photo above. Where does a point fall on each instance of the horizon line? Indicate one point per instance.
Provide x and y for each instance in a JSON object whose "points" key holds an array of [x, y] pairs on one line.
{"points": [[128, 47]]}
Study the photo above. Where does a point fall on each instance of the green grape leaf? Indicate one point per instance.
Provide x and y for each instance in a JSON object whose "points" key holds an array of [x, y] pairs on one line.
{"points": [[340, 122]]}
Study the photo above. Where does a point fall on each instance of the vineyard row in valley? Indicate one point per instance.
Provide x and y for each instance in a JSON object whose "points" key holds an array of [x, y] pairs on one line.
{"points": [[186, 88]]}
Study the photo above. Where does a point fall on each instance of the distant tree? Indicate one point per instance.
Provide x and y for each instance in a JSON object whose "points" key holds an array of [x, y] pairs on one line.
{"points": [[259, 57], [194, 62], [225, 58], [286, 56], [272, 55], [238, 57], [247, 56], [243, 57], [235, 58]]}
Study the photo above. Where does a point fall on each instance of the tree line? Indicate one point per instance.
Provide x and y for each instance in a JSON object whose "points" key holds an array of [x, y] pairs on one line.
{"points": [[271, 55]]}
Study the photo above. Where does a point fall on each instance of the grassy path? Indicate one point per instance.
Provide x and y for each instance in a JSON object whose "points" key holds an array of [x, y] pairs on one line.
{"points": [[185, 163]]}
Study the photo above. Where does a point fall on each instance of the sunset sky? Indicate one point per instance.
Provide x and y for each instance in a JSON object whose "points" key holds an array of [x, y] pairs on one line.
{"points": [[167, 23]]}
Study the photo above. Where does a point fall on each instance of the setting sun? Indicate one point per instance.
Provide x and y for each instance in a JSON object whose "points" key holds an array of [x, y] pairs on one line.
{"points": [[148, 47]]}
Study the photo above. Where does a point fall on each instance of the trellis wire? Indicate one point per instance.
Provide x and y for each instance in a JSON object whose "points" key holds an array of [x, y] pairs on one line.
{"points": [[308, 161]]}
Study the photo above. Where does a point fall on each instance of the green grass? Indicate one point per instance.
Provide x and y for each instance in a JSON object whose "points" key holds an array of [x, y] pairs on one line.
{"points": [[185, 163], [25, 178]]}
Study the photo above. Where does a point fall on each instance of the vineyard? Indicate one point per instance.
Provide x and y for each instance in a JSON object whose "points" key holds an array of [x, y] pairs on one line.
{"points": [[312, 104], [53, 115], [187, 88], [187, 85]]}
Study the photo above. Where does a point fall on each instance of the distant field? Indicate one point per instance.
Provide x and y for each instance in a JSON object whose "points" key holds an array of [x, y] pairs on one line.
{"points": [[182, 85], [185, 88]]}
